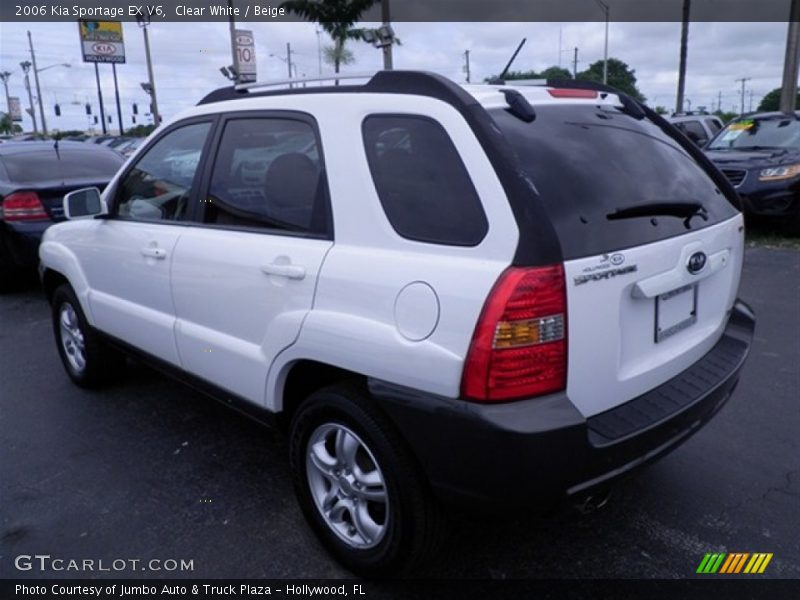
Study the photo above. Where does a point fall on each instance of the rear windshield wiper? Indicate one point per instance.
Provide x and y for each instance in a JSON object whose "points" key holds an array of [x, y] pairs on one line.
{"points": [[683, 210]]}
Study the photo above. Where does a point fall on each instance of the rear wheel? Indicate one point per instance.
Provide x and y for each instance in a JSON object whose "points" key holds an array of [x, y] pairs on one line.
{"points": [[88, 361], [358, 486]]}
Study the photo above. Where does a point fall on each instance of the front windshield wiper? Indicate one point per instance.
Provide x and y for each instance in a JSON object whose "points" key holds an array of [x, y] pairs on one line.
{"points": [[683, 210], [756, 147]]}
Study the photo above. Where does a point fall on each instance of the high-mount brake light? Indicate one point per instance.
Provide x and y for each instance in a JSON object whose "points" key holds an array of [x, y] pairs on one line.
{"points": [[519, 348], [571, 93]]}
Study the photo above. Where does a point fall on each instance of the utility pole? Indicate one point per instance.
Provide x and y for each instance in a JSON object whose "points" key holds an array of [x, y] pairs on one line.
{"points": [[36, 79], [466, 65], [319, 51], [388, 63], [144, 21], [4, 77], [750, 105], [719, 101], [116, 94], [684, 49], [289, 58], [26, 67], [790, 63], [606, 10], [575, 64], [100, 98], [743, 80]]}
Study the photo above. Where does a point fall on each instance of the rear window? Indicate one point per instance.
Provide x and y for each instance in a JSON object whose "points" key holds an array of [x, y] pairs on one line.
{"points": [[586, 163], [72, 164]]}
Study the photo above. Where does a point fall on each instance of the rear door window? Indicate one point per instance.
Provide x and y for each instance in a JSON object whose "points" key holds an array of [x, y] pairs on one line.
{"points": [[588, 163], [422, 184]]}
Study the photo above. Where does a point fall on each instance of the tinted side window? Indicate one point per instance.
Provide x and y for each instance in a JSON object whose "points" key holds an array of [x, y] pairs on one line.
{"points": [[695, 131], [422, 183], [268, 174], [713, 125], [158, 186]]}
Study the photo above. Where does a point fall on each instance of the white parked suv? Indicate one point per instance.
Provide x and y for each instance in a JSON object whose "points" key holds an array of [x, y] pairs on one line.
{"points": [[485, 295]]}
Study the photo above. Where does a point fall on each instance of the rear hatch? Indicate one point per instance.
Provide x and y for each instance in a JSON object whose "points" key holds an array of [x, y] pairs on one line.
{"points": [[652, 249]]}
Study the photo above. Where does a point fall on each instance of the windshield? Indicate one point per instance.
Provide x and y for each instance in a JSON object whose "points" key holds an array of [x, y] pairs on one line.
{"points": [[750, 134], [609, 181]]}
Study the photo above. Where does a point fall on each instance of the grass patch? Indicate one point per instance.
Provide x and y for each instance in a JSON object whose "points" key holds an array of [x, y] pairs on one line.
{"points": [[760, 236]]}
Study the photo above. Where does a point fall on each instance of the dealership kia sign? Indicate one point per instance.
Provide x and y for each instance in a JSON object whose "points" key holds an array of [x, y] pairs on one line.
{"points": [[101, 41], [245, 52]]}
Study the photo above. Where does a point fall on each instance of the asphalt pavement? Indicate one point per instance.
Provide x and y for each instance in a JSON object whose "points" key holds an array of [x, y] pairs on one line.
{"points": [[149, 469]]}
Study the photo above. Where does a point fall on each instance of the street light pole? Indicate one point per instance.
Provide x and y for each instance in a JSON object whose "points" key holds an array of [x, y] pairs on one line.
{"points": [[234, 58], [36, 79], [144, 21], [606, 10], [26, 66]]}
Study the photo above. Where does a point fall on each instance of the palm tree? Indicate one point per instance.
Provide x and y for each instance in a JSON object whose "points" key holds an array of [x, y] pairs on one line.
{"points": [[336, 17]]}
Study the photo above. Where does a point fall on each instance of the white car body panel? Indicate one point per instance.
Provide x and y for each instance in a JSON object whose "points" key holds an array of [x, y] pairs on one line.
{"points": [[232, 317]]}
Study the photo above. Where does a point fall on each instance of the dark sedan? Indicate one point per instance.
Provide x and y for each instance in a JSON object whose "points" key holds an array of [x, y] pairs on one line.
{"points": [[760, 155], [34, 176]]}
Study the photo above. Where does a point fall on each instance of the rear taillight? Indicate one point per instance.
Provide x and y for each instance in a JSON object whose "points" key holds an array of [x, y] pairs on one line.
{"points": [[519, 348], [23, 206]]}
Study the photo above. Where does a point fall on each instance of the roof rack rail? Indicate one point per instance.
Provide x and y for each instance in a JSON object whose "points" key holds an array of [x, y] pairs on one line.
{"points": [[257, 85]]}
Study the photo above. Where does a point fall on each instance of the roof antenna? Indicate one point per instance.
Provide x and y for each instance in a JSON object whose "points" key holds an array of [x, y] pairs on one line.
{"points": [[499, 78]]}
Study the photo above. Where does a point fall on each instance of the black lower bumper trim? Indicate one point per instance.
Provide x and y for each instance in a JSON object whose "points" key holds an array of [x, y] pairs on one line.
{"points": [[534, 453]]}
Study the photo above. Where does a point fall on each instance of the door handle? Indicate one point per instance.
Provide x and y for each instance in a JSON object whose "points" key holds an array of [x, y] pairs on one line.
{"points": [[289, 271], [154, 252]]}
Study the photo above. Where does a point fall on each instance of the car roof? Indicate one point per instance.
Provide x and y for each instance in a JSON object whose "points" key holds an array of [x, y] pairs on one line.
{"points": [[490, 95]]}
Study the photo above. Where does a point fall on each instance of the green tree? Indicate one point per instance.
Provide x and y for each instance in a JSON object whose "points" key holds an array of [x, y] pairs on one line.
{"points": [[338, 55], [772, 101], [6, 124], [140, 130], [549, 73], [336, 17], [620, 76]]}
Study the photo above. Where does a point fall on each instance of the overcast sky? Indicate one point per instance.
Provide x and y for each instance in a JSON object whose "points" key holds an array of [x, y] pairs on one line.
{"points": [[187, 57]]}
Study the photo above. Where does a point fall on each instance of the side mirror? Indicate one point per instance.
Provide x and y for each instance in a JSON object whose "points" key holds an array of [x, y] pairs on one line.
{"points": [[84, 204]]}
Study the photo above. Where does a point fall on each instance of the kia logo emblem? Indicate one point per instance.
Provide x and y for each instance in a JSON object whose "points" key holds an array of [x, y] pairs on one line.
{"points": [[696, 262]]}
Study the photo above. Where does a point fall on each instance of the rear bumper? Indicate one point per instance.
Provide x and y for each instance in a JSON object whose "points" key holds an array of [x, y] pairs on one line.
{"points": [[535, 453]]}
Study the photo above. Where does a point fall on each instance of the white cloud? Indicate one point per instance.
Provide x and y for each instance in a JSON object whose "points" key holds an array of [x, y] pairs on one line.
{"points": [[187, 57]]}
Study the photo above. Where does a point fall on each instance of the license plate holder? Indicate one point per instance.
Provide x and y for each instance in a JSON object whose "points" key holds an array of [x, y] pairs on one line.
{"points": [[675, 311]]}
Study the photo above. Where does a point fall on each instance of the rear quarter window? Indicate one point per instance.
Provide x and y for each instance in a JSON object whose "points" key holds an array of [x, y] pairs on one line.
{"points": [[421, 181]]}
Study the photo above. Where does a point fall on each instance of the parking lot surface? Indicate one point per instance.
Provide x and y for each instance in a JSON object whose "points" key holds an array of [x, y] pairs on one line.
{"points": [[149, 469]]}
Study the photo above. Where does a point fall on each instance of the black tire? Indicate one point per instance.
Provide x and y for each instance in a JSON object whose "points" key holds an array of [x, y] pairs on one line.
{"points": [[412, 522], [101, 363]]}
